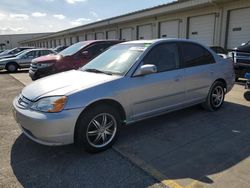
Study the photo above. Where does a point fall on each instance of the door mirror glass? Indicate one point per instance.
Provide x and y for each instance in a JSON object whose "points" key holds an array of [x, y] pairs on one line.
{"points": [[85, 53], [146, 69]]}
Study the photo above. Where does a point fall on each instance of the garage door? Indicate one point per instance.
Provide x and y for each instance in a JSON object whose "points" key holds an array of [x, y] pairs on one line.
{"points": [[145, 32], [169, 29], [99, 36], [126, 34], [81, 38], [239, 27], [111, 34], [201, 29], [90, 36]]}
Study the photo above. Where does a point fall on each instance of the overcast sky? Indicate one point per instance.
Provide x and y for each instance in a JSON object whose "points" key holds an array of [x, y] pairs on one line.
{"points": [[36, 16]]}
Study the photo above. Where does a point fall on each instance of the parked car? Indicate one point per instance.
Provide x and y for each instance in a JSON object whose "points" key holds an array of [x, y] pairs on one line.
{"points": [[220, 51], [1, 51], [241, 57], [72, 57], [13, 52], [129, 82], [60, 48], [23, 60]]}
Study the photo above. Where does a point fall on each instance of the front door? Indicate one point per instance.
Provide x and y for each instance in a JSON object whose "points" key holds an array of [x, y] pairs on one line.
{"points": [[158, 92], [25, 61]]}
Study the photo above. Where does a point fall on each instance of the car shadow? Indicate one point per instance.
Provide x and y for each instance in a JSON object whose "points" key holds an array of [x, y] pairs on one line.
{"points": [[35, 165], [190, 143]]}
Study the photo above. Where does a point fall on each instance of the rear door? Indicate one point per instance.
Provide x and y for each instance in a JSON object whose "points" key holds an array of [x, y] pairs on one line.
{"points": [[199, 67], [155, 93]]}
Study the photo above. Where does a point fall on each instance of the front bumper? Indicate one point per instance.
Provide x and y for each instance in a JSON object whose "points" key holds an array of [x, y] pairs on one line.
{"points": [[47, 128], [40, 72]]}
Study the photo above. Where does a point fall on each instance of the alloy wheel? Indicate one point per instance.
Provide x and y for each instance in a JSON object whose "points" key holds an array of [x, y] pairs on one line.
{"points": [[217, 96], [101, 130]]}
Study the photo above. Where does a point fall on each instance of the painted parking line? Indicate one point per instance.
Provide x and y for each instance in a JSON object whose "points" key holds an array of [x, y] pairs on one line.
{"points": [[148, 169]]}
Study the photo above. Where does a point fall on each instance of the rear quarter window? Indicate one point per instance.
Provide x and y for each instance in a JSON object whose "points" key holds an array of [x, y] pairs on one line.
{"points": [[194, 55]]}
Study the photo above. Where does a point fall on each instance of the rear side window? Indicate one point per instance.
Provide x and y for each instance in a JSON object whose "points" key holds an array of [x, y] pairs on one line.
{"points": [[194, 55], [44, 52], [164, 56]]}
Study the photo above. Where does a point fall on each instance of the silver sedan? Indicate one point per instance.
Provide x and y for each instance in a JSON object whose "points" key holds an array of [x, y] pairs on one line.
{"points": [[129, 82], [23, 59]]}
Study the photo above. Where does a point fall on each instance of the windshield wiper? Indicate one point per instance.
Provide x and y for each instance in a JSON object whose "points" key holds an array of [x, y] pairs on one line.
{"points": [[98, 71]]}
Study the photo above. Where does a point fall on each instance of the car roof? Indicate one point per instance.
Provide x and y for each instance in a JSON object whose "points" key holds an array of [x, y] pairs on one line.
{"points": [[95, 41], [160, 40]]}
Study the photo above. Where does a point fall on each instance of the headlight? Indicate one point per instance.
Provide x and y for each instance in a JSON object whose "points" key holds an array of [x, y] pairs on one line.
{"points": [[50, 104], [43, 65]]}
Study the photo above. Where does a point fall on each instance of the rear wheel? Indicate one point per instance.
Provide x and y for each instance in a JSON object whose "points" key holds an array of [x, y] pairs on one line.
{"points": [[11, 67], [215, 98], [97, 129]]}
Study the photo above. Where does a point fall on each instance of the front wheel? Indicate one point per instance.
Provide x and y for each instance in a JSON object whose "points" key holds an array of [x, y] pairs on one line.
{"points": [[97, 129], [215, 98], [11, 67]]}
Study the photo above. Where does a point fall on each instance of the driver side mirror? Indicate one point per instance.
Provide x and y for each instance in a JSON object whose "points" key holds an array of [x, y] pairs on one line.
{"points": [[146, 69], [85, 53]]}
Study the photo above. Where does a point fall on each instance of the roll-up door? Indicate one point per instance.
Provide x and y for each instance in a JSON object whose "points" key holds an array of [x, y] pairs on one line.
{"points": [[99, 36], [90, 36], [201, 29], [145, 32], [126, 34], [238, 28], [169, 29], [111, 34]]}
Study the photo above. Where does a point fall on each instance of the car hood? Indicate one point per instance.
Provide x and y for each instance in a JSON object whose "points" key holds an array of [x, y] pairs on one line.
{"points": [[8, 59], [65, 83], [48, 58], [7, 56]]}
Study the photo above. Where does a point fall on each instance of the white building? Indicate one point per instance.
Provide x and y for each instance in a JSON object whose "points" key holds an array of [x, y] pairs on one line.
{"points": [[12, 41], [213, 22]]}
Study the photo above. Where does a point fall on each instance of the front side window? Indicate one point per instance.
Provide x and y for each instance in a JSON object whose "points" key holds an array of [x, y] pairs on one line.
{"points": [[31, 54], [194, 55], [164, 56]]}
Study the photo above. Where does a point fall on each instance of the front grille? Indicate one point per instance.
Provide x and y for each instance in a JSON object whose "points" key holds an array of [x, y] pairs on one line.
{"points": [[33, 67], [23, 102]]}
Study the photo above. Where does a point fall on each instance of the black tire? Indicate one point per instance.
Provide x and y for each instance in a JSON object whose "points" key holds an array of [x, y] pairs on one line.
{"points": [[236, 79], [11, 67], [210, 101], [84, 126]]}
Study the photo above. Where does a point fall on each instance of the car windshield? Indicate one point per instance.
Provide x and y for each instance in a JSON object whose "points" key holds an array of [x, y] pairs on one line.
{"points": [[73, 49], [117, 60], [22, 52], [5, 52]]}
